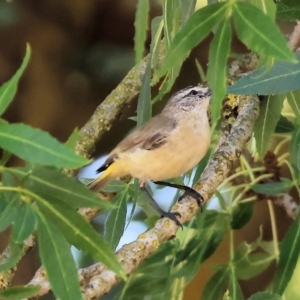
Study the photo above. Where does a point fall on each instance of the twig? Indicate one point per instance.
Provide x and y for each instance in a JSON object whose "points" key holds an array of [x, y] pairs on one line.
{"points": [[294, 39], [7, 276]]}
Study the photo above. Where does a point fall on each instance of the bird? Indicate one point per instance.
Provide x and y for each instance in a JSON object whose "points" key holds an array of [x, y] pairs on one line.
{"points": [[168, 145]]}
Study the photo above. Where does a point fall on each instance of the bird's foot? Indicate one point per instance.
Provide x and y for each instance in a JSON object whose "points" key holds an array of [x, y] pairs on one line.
{"points": [[171, 216]]}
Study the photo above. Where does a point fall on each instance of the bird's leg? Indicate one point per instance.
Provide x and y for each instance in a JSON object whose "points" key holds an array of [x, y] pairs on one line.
{"points": [[187, 191], [170, 215]]}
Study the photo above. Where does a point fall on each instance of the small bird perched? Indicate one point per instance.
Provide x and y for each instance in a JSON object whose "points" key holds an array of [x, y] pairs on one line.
{"points": [[168, 145]]}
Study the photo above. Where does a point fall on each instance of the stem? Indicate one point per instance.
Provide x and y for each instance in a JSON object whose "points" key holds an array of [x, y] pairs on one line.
{"points": [[274, 229]]}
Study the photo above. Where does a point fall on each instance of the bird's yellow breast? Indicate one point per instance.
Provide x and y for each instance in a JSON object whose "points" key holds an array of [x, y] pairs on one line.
{"points": [[184, 148]]}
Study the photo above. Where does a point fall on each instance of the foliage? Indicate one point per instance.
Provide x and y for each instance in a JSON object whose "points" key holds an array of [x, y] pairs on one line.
{"points": [[40, 199], [39, 195]]}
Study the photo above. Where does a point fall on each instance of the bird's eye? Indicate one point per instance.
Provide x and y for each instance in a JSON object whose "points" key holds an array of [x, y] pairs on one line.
{"points": [[192, 93]]}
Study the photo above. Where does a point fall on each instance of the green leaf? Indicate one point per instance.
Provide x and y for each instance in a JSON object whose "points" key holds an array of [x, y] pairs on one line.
{"points": [[115, 186], [9, 88], [193, 32], [259, 33], [289, 254], [44, 181], [270, 110], [144, 107], [23, 224], [282, 77], [157, 264], [252, 265], [217, 71], [234, 288], [5, 157], [7, 213], [273, 188], [242, 214], [248, 262], [284, 125], [217, 285], [37, 146], [266, 295], [15, 253], [115, 221], [293, 99], [57, 259], [19, 292], [156, 31], [268, 7], [295, 148], [141, 26], [187, 9], [79, 232]]}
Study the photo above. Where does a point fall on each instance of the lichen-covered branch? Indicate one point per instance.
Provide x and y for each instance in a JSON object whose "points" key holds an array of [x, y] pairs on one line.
{"points": [[131, 255], [7, 276], [294, 39]]}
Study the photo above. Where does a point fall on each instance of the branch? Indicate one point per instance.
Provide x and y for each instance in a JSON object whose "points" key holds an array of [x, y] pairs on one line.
{"points": [[7, 276], [294, 39]]}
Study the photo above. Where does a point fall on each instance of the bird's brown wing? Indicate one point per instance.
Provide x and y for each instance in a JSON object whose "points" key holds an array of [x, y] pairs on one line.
{"points": [[150, 136]]}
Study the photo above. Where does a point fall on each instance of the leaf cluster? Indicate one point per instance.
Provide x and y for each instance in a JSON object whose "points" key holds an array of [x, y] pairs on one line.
{"points": [[40, 198]]}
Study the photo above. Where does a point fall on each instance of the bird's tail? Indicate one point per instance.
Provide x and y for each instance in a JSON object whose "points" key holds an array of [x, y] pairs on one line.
{"points": [[98, 184], [107, 176]]}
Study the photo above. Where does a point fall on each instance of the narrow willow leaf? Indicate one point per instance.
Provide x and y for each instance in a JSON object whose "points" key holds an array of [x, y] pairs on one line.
{"points": [[282, 77], [252, 265], [295, 149], [9, 88], [5, 157], [156, 264], [293, 99], [79, 232], [23, 224], [115, 221], [57, 259], [270, 110], [170, 15], [156, 31], [19, 292], [260, 33], [187, 9], [115, 186], [44, 181], [15, 253], [273, 188], [266, 295], [144, 107], [248, 262], [284, 125], [234, 288], [7, 213], [193, 32], [217, 71], [37, 146], [141, 26], [217, 285], [268, 7], [289, 254]]}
